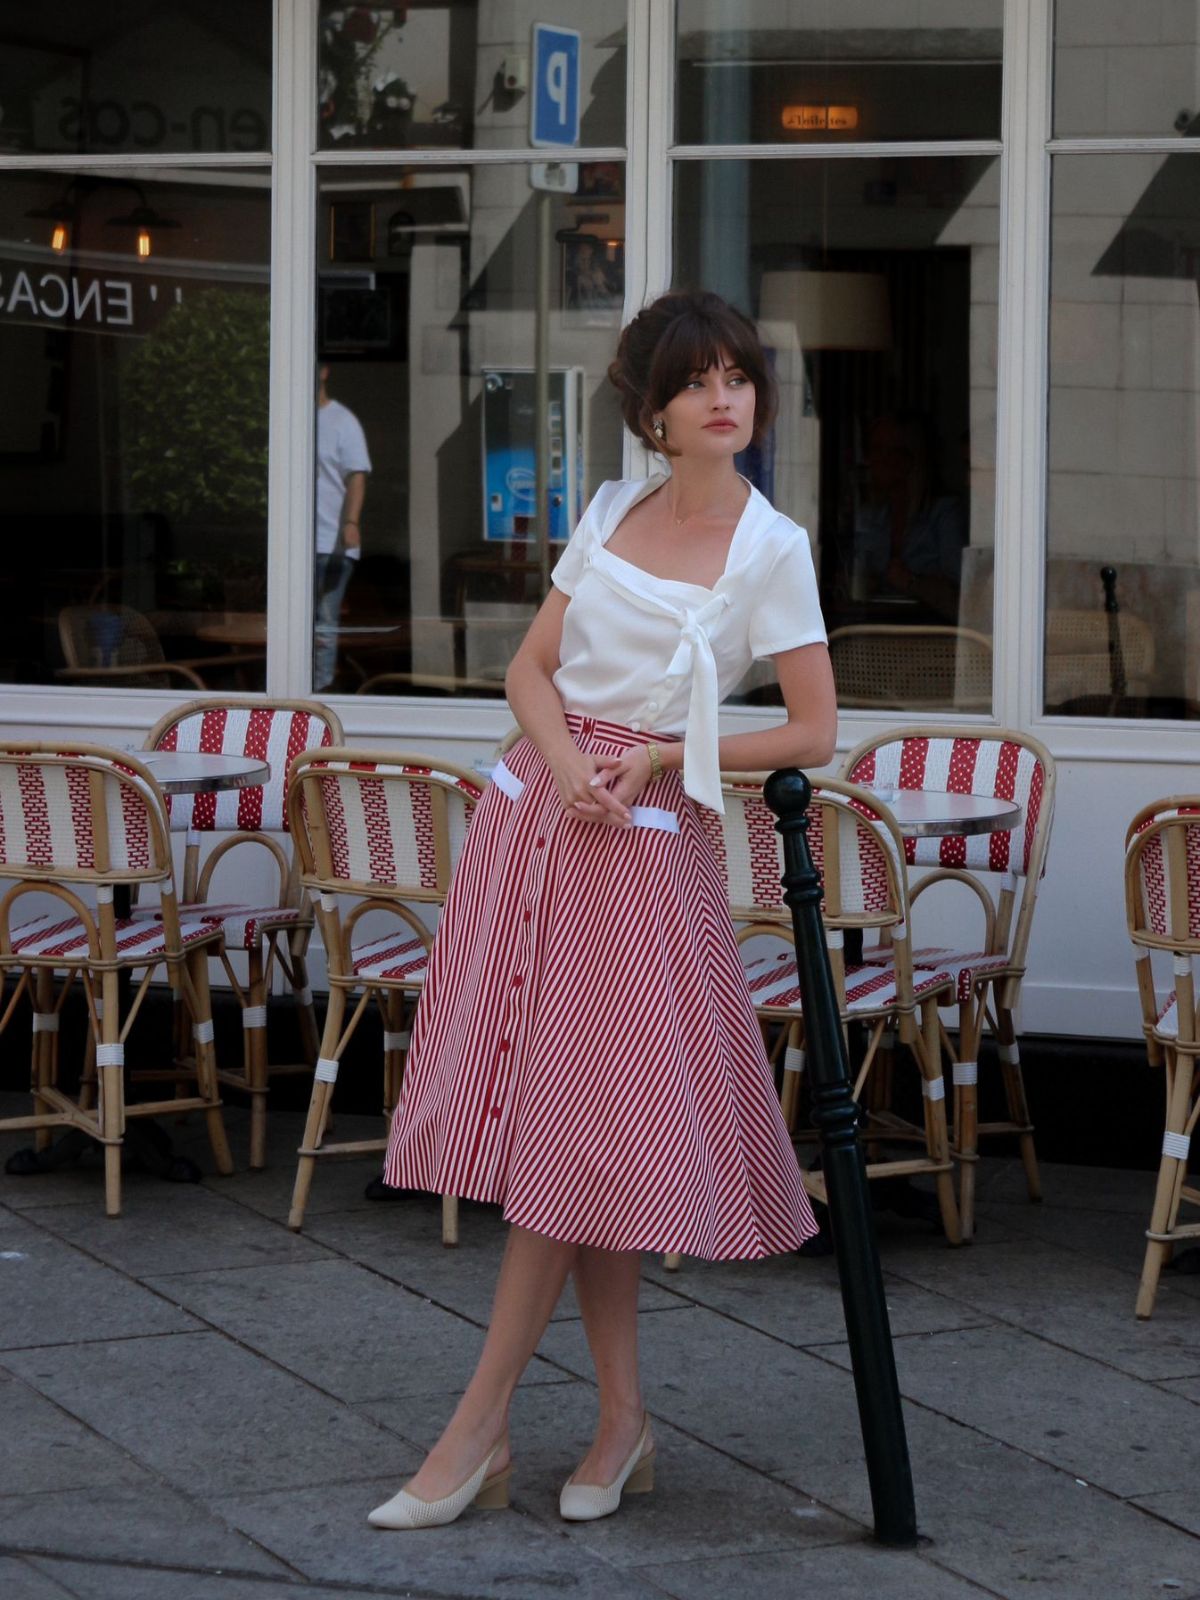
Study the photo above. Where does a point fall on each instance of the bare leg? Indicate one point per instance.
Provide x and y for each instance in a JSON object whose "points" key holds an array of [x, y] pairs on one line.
{"points": [[531, 1279], [606, 1283]]}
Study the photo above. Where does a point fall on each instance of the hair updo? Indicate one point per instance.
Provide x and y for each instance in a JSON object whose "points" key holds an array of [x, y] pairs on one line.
{"points": [[666, 344]]}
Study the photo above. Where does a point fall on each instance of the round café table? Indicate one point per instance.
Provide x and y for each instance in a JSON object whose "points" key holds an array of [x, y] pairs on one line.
{"points": [[175, 772], [929, 813]]}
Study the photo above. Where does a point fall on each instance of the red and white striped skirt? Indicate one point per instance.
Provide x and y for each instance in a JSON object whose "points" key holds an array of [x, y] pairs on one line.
{"points": [[584, 1052]]}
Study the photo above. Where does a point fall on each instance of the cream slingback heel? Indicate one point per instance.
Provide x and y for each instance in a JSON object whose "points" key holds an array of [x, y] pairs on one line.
{"points": [[406, 1511], [585, 1502]]}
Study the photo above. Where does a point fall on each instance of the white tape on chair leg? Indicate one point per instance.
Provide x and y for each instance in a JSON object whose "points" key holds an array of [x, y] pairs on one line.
{"points": [[933, 1088], [45, 1022], [110, 1055], [1183, 966], [104, 894], [254, 1016], [834, 938], [327, 1070], [965, 1072], [1008, 882], [192, 838], [900, 933], [1009, 1053], [202, 1032], [304, 996], [793, 1059], [395, 1041], [166, 892], [329, 902], [1177, 1145]]}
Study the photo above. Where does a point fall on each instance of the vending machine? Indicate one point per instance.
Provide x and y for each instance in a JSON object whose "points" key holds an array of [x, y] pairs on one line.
{"points": [[509, 455]]}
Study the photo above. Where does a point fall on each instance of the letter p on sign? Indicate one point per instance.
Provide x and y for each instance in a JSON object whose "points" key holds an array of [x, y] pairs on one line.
{"points": [[554, 111]]}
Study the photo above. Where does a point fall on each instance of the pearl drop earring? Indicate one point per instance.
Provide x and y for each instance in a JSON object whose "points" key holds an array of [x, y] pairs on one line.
{"points": [[660, 428]]}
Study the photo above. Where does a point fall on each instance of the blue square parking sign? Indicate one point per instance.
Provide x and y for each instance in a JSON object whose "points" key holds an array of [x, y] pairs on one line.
{"points": [[554, 109]]}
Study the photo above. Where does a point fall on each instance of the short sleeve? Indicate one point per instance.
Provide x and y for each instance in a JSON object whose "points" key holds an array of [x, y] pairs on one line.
{"points": [[787, 613], [569, 568], [355, 457]]}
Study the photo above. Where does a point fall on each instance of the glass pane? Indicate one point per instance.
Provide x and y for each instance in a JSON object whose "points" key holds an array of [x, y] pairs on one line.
{"points": [[874, 283], [1126, 70], [1123, 528], [427, 421], [96, 77], [761, 72], [459, 75], [133, 472]]}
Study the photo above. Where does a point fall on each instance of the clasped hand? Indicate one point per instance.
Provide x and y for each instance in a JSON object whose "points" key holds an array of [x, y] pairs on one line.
{"points": [[602, 788]]}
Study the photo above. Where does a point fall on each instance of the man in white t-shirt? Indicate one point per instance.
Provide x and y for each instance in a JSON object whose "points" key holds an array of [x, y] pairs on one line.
{"points": [[342, 467]]}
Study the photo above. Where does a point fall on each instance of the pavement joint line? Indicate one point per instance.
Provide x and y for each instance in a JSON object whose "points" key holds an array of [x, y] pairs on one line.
{"points": [[31, 1565], [917, 1554], [1032, 1455]]}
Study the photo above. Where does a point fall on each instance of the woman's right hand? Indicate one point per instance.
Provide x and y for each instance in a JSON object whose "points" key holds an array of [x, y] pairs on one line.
{"points": [[574, 773]]}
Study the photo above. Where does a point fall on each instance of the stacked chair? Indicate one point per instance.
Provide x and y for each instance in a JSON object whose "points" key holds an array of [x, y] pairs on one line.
{"points": [[859, 851], [1001, 871], [1162, 901], [88, 827], [377, 838], [272, 934]]}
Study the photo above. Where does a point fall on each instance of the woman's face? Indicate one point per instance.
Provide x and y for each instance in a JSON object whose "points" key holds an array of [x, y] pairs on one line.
{"points": [[712, 416]]}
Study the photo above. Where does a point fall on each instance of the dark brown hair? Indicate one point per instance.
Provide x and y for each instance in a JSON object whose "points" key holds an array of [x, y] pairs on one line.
{"points": [[668, 342]]}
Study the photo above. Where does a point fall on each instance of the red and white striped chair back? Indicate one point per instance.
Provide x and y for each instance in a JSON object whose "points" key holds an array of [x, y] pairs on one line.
{"points": [[1007, 765], [850, 834], [1162, 876], [275, 731], [394, 824], [92, 815]]}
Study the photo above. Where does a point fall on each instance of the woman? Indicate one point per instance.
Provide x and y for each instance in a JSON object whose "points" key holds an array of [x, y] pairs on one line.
{"points": [[585, 1052]]}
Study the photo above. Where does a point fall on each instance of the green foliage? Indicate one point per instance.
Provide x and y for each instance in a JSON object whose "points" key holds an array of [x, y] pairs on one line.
{"points": [[194, 400]]}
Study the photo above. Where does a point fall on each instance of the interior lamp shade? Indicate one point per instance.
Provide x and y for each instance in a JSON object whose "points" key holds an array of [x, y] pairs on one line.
{"points": [[825, 311]]}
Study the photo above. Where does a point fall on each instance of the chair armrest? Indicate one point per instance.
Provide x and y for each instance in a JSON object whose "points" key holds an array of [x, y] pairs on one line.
{"points": [[119, 674]]}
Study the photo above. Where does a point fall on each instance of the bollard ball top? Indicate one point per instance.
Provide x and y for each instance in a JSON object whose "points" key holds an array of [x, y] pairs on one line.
{"points": [[787, 792]]}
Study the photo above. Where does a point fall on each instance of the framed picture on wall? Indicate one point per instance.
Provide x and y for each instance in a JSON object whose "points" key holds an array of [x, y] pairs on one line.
{"points": [[593, 286], [351, 230]]}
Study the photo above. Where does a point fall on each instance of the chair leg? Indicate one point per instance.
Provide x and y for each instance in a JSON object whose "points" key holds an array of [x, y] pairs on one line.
{"points": [[44, 1065], [310, 1035], [206, 1059], [672, 1261], [450, 1220], [111, 1091], [322, 1091], [1171, 1173], [928, 1049], [254, 1050], [965, 1073], [793, 1069], [1014, 1089]]}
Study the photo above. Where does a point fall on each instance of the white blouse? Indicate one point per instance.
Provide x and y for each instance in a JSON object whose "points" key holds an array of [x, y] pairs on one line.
{"points": [[661, 654]]}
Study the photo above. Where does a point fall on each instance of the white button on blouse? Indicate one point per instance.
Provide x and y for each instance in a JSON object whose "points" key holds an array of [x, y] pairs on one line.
{"points": [[626, 631]]}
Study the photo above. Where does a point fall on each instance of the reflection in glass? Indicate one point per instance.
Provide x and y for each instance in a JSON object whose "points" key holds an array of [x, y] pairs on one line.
{"points": [[101, 77], [426, 321], [1126, 70], [457, 75], [133, 472], [1123, 534], [755, 72], [874, 283]]}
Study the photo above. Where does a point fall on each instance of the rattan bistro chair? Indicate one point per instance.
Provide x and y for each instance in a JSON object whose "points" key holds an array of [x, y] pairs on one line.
{"points": [[115, 644], [859, 852], [82, 826], [377, 836], [272, 932], [896, 666], [987, 978], [1162, 901]]}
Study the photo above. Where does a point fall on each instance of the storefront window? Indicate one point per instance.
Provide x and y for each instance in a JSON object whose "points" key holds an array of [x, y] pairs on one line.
{"points": [[874, 283], [457, 74], [133, 441], [837, 71], [1123, 537], [102, 77], [1126, 70], [426, 415]]}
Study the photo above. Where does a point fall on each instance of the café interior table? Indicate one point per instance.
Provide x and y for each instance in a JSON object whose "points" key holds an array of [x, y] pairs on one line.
{"points": [[175, 772]]}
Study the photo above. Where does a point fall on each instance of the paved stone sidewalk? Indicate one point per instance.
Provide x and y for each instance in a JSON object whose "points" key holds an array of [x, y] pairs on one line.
{"points": [[200, 1405]]}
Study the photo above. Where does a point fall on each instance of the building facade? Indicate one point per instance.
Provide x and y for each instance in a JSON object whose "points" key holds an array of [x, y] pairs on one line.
{"points": [[969, 231]]}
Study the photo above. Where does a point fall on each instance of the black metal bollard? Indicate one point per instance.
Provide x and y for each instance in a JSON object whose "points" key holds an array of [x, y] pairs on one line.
{"points": [[835, 1114]]}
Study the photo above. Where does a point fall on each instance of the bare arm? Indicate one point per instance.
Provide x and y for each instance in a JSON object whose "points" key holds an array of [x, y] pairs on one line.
{"points": [[535, 702], [352, 504], [806, 739]]}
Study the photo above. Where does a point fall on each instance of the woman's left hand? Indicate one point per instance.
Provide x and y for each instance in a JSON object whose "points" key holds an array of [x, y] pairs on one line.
{"points": [[624, 776]]}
